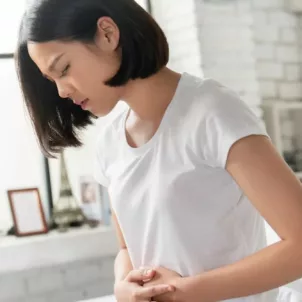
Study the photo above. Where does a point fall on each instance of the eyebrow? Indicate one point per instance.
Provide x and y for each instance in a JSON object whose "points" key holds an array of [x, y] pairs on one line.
{"points": [[54, 62]]}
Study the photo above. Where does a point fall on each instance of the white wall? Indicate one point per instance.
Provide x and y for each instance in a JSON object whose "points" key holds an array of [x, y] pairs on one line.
{"points": [[278, 50], [227, 46], [178, 20]]}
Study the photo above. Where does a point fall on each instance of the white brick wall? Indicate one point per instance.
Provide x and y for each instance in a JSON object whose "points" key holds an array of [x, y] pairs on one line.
{"points": [[278, 53], [268, 4], [268, 89], [246, 44], [63, 283], [282, 18], [251, 46], [293, 72], [287, 53], [227, 46], [265, 33], [277, 50], [290, 91], [180, 26], [288, 35], [265, 51]]}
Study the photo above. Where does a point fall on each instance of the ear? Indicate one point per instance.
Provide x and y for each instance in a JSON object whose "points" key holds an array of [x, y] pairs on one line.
{"points": [[108, 34]]}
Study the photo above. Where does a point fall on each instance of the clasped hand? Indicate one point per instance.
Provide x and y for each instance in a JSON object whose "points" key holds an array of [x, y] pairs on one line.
{"points": [[146, 285]]}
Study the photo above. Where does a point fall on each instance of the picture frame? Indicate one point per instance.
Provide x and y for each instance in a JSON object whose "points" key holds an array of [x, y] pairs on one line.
{"points": [[27, 212], [91, 199]]}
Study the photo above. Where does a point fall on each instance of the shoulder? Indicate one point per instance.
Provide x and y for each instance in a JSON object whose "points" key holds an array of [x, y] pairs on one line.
{"points": [[212, 97], [211, 100], [220, 118]]}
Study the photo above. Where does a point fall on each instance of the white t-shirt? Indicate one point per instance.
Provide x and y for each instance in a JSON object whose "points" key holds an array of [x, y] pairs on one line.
{"points": [[176, 204]]}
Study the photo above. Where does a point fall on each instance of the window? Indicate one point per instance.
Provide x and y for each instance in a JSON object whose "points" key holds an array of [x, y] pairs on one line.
{"points": [[10, 16]]}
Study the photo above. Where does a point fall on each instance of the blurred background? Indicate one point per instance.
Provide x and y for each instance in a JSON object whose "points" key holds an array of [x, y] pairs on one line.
{"points": [[251, 46]]}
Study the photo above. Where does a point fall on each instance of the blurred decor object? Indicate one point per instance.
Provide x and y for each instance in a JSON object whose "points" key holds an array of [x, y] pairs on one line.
{"points": [[27, 212], [66, 211], [91, 200], [283, 122]]}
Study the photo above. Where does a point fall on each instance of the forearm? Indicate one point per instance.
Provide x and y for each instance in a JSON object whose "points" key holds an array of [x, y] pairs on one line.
{"points": [[269, 268], [122, 265]]}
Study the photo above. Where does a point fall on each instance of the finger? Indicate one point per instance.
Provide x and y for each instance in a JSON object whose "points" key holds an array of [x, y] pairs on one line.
{"points": [[149, 292], [149, 274], [140, 275]]}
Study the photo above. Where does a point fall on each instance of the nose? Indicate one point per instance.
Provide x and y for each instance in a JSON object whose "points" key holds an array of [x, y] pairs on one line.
{"points": [[64, 91]]}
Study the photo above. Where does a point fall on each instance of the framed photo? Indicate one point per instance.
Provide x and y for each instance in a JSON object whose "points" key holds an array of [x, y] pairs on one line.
{"points": [[27, 212], [91, 199]]}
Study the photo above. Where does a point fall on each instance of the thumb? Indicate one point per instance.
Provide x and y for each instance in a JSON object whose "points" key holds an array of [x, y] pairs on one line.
{"points": [[140, 275]]}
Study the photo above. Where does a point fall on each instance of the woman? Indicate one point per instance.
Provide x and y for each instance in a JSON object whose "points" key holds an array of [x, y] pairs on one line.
{"points": [[190, 170]]}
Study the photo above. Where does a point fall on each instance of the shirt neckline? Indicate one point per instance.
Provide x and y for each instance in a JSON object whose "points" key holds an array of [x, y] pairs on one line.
{"points": [[163, 123]]}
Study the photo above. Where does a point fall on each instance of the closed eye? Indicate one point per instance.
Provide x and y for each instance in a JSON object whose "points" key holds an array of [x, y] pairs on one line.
{"points": [[64, 72]]}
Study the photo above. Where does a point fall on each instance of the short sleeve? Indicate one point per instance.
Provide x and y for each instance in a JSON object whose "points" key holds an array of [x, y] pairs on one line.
{"points": [[228, 120], [99, 174], [98, 169]]}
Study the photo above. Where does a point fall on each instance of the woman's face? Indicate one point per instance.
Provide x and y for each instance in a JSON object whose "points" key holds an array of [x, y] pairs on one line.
{"points": [[80, 70]]}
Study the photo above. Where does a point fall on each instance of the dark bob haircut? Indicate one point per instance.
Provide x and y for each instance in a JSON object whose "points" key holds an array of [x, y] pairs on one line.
{"points": [[143, 47]]}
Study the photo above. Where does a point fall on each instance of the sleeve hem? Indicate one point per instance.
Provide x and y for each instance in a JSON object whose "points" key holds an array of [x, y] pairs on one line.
{"points": [[232, 140]]}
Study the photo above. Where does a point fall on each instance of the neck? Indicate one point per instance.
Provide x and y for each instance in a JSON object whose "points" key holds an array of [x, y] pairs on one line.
{"points": [[149, 98]]}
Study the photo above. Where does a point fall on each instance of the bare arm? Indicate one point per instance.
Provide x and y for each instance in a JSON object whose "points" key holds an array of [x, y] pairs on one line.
{"points": [[277, 194], [122, 265]]}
